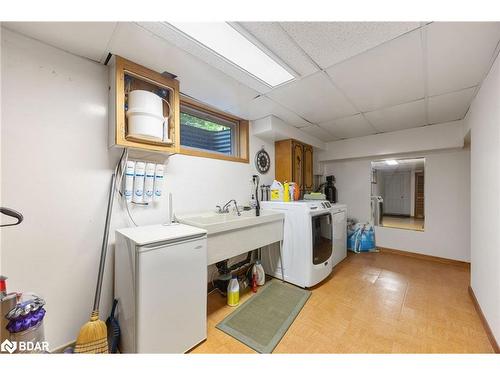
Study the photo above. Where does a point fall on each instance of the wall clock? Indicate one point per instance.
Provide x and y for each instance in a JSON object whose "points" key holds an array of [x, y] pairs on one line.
{"points": [[262, 161]]}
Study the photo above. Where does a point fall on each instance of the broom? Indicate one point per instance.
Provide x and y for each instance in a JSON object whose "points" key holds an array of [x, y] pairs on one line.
{"points": [[93, 336]]}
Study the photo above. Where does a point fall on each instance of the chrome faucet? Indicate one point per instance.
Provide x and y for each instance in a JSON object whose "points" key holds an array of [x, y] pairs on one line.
{"points": [[225, 208]]}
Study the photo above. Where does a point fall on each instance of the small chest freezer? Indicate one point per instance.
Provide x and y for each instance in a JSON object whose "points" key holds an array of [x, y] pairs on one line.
{"points": [[161, 285]]}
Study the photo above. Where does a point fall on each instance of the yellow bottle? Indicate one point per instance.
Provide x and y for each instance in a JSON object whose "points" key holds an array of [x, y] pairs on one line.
{"points": [[286, 192], [233, 292], [276, 191]]}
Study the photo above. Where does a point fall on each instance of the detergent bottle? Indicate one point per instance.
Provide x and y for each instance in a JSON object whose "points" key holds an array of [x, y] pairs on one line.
{"points": [[277, 191], [286, 192], [233, 292]]}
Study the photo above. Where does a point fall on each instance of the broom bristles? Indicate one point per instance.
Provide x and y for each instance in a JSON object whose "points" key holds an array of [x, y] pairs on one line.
{"points": [[93, 336]]}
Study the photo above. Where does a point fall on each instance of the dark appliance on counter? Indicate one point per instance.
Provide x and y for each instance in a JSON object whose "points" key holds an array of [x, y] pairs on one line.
{"points": [[330, 190]]}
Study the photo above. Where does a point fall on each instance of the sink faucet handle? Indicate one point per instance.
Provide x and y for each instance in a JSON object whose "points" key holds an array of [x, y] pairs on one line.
{"points": [[236, 207]]}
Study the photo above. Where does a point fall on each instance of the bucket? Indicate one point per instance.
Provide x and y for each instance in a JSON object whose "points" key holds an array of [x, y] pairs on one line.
{"points": [[145, 115]]}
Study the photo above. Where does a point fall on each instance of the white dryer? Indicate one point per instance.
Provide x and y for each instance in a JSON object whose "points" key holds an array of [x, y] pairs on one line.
{"points": [[314, 241]]}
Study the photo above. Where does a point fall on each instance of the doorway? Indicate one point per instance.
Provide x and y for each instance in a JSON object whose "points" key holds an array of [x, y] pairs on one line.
{"points": [[397, 194]]}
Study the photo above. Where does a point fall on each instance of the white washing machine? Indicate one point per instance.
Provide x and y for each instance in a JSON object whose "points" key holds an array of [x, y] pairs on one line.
{"points": [[314, 241]]}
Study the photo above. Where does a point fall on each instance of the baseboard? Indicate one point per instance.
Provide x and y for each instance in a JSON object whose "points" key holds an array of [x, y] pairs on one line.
{"points": [[486, 326], [432, 258], [62, 348]]}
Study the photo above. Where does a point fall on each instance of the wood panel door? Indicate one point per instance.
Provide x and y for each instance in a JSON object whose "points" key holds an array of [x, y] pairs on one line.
{"points": [[308, 168], [419, 195], [298, 164]]}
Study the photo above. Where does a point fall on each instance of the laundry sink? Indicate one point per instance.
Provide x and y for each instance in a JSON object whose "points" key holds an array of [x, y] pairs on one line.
{"points": [[215, 222], [231, 234]]}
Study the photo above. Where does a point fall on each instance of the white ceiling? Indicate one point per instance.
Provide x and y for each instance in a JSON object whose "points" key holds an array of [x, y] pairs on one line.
{"points": [[328, 43], [403, 165], [352, 78]]}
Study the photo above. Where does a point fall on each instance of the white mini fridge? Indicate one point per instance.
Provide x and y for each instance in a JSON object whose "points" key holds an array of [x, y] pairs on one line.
{"points": [[161, 287]]}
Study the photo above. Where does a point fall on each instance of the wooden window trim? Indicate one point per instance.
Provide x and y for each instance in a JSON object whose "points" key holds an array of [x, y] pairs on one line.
{"points": [[243, 134]]}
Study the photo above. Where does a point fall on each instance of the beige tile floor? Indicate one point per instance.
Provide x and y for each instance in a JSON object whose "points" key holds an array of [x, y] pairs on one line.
{"points": [[375, 303], [403, 222]]}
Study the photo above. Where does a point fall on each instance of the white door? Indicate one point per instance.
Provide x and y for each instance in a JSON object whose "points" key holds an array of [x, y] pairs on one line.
{"points": [[171, 297], [397, 193]]}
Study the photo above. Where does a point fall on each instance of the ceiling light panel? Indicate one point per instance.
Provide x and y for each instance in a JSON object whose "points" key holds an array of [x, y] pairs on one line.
{"points": [[272, 35], [224, 40]]}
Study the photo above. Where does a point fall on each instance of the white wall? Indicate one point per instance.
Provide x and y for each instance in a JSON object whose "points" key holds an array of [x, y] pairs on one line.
{"points": [[426, 138], [446, 203], [56, 169], [275, 129], [483, 120]]}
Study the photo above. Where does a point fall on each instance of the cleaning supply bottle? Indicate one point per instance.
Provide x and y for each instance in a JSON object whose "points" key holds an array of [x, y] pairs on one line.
{"points": [[292, 191], [277, 191], [286, 192], [253, 202], [254, 279], [233, 292], [259, 270]]}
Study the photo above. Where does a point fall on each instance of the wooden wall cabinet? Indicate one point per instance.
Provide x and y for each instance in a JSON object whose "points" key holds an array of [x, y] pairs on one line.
{"points": [[294, 163], [125, 76]]}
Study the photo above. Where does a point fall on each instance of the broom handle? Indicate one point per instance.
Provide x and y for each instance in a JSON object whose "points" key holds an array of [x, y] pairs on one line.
{"points": [[104, 247]]}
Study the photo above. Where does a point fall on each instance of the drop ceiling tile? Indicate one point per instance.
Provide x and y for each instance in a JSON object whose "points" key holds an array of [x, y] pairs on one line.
{"points": [[331, 42], [459, 54], [314, 98], [320, 133], [262, 106], [349, 127], [402, 116], [87, 39], [450, 107], [274, 38], [384, 76], [198, 79]]}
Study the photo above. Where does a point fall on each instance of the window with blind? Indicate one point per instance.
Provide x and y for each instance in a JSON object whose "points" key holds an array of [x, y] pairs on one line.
{"points": [[209, 133]]}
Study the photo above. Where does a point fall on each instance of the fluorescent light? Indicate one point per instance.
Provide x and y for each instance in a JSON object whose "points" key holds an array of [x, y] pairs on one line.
{"points": [[223, 39], [391, 162]]}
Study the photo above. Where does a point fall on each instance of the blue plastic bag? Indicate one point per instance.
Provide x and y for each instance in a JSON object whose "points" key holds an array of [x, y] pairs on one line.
{"points": [[361, 239]]}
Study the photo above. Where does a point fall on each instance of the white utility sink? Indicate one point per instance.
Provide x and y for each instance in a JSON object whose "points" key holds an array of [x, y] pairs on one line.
{"points": [[230, 235]]}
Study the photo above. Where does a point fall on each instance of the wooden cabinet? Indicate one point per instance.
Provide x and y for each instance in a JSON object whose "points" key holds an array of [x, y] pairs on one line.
{"points": [[308, 168], [294, 163], [126, 76], [297, 164]]}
